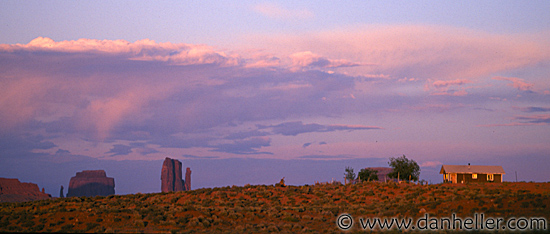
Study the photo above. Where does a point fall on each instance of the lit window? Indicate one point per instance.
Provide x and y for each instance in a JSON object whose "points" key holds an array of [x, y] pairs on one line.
{"points": [[474, 176], [490, 177]]}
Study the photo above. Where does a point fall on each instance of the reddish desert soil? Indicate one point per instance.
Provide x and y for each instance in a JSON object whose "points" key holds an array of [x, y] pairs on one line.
{"points": [[268, 208]]}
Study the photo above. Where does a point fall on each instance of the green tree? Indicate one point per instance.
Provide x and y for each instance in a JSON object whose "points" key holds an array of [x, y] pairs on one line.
{"points": [[367, 174], [405, 168], [349, 175]]}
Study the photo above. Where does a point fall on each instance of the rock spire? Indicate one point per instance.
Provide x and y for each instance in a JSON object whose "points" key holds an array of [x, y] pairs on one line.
{"points": [[171, 176]]}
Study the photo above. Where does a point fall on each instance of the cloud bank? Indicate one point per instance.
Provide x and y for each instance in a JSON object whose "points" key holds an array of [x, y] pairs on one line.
{"points": [[295, 128], [416, 51], [114, 99]]}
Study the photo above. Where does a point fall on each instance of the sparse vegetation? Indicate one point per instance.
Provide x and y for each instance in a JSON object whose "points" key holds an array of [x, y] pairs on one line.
{"points": [[404, 169], [262, 208], [367, 174], [349, 175]]}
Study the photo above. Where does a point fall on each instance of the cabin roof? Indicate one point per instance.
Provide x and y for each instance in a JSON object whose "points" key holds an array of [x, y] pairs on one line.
{"points": [[471, 169], [381, 170]]}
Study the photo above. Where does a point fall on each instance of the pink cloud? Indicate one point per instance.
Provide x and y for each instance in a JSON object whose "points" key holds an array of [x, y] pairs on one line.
{"points": [[106, 113], [102, 87], [154, 93], [99, 100], [447, 87], [86, 45], [446, 83], [264, 63], [420, 51], [261, 60], [518, 83], [17, 99], [148, 50], [309, 59]]}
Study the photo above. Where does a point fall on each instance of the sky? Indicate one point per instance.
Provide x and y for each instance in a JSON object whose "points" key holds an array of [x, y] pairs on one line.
{"points": [[249, 92]]}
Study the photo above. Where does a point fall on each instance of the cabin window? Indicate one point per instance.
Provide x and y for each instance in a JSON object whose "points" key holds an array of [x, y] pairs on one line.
{"points": [[474, 176], [490, 177]]}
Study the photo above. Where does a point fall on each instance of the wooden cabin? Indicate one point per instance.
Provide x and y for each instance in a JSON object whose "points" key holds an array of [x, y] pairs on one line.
{"points": [[382, 173], [471, 174]]}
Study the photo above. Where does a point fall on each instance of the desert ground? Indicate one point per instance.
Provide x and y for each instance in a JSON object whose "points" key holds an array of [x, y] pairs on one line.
{"points": [[273, 208]]}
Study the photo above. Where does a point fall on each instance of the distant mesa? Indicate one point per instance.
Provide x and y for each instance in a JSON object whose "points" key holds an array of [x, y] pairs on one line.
{"points": [[171, 176], [12, 190], [91, 183]]}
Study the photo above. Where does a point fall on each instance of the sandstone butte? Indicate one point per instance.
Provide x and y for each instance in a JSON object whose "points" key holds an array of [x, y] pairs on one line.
{"points": [[91, 183], [187, 179], [12, 190], [171, 176]]}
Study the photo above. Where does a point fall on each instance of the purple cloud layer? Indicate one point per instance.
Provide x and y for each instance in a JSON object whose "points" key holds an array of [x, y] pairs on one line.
{"points": [[295, 128], [142, 100]]}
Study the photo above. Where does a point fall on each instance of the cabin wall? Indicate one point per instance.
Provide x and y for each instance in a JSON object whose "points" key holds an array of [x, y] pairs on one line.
{"points": [[498, 178], [481, 178], [457, 178], [468, 178]]}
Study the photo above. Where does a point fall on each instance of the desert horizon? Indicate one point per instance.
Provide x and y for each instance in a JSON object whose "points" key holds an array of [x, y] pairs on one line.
{"points": [[95, 95]]}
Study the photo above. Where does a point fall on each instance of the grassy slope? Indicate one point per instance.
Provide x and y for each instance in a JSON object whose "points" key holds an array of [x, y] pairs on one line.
{"points": [[269, 208]]}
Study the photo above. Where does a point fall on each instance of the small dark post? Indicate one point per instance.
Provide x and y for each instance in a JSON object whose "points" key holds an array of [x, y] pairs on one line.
{"points": [[61, 191]]}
